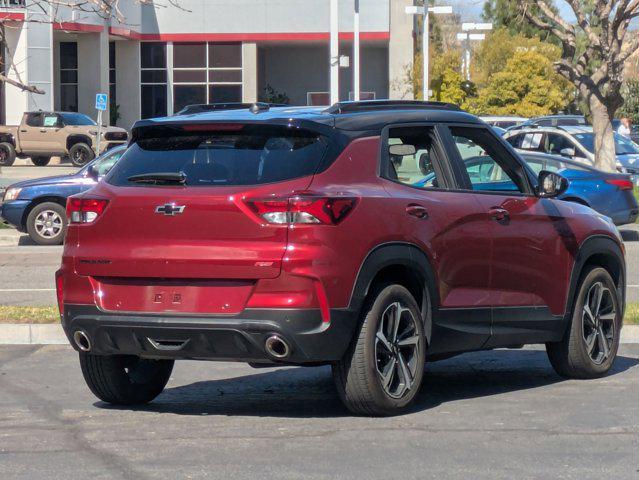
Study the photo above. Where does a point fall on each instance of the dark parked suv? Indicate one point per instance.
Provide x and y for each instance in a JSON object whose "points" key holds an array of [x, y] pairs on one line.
{"points": [[307, 236]]}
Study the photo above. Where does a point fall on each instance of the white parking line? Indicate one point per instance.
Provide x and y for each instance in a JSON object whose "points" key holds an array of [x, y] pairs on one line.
{"points": [[12, 290]]}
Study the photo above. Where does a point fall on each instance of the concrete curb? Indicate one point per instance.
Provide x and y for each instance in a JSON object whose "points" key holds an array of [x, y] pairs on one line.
{"points": [[9, 237], [52, 334], [32, 334]]}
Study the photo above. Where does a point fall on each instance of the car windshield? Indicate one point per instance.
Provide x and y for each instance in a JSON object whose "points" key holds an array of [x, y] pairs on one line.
{"points": [[623, 146], [235, 155], [76, 119]]}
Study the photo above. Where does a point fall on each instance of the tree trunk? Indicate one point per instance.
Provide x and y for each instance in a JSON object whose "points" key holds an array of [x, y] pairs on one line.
{"points": [[605, 157]]}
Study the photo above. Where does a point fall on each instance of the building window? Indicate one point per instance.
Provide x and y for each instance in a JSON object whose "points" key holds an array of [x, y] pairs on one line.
{"points": [[112, 89], [69, 76], [206, 73], [153, 87]]}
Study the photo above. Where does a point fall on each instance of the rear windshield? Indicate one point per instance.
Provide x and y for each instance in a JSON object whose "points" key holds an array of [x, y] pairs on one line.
{"points": [[237, 155]]}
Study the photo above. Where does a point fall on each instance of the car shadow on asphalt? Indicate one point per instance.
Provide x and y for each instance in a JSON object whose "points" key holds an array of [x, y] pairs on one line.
{"points": [[25, 241], [299, 392], [629, 235]]}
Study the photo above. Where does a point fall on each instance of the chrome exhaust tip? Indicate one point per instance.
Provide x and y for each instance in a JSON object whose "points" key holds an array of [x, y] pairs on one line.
{"points": [[276, 347], [82, 341]]}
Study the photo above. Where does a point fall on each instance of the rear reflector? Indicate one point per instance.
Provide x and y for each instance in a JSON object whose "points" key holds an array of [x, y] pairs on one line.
{"points": [[85, 210], [59, 288], [621, 183], [303, 210]]}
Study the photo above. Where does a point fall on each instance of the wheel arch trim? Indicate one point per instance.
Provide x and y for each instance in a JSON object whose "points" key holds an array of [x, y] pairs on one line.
{"points": [[391, 254], [592, 246]]}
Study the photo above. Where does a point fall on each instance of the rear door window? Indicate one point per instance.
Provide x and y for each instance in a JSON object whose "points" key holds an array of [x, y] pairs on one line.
{"points": [[224, 156]]}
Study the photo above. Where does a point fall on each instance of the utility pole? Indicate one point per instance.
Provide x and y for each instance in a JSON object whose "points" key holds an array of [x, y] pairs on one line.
{"points": [[356, 58], [334, 51], [466, 37], [425, 12]]}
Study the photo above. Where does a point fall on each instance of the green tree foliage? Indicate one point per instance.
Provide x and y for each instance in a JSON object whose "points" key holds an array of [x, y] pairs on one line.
{"points": [[630, 92], [526, 86], [507, 14], [445, 77], [500, 46]]}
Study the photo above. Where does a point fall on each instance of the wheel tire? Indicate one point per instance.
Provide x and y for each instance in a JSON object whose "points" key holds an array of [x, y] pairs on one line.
{"points": [[7, 154], [571, 357], [40, 161], [80, 154], [125, 379], [47, 223], [357, 375]]}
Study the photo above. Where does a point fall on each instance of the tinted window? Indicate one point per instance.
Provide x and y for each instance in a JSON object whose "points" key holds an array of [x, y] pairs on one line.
{"points": [[416, 169], [34, 119], [225, 55], [249, 155], [76, 119], [488, 164], [623, 146], [189, 55], [153, 100], [153, 55], [557, 143]]}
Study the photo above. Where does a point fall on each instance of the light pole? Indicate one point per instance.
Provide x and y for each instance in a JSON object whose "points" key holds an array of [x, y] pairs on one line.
{"points": [[334, 51], [356, 87], [466, 37], [425, 12]]}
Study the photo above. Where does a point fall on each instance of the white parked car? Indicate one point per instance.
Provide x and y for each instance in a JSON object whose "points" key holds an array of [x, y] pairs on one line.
{"points": [[503, 121], [576, 143]]}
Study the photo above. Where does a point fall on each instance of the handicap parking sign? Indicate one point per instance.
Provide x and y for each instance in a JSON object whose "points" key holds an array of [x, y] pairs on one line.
{"points": [[101, 101]]}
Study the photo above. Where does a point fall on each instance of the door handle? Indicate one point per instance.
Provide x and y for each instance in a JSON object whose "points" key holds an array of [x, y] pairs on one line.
{"points": [[416, 211], [498, 214], [23, 131], [43, 130]]}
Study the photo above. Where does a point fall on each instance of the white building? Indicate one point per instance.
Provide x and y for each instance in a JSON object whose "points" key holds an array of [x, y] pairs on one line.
{"points": [[164, 58]]}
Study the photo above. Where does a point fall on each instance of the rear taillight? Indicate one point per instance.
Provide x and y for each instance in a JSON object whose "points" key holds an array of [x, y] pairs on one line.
{"points": [[59, 287], [303, 209], [621, 183], [85, 210]]}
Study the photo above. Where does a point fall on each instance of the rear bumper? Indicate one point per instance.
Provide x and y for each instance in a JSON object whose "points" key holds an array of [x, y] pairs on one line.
{"points": [[237, 338]]}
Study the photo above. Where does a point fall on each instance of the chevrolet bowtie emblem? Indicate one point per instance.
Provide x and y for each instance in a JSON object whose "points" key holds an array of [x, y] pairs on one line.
{"points": [[170, 209]]}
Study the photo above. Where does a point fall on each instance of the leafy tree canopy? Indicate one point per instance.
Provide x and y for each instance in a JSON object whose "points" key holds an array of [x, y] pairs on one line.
{"points": [[526, 86]]}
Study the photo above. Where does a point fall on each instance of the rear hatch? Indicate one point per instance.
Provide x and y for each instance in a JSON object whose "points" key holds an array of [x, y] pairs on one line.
{"points": [[177, 233]]}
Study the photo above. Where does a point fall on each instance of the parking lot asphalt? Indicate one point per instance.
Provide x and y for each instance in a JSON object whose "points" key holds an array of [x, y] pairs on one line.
{"points": [[27, 271], [23, 169], [492, 415]]}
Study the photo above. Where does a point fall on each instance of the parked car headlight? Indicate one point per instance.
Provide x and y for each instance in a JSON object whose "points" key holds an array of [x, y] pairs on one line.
{"points": [[11, 194], [621, 168]]}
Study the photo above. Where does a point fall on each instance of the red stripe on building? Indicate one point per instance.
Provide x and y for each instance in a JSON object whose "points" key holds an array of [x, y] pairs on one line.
{"points": [[258, 37], [77, 27], [125, 33], [12, 16]]}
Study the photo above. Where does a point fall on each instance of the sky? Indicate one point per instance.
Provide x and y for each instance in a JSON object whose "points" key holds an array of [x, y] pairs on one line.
{"points": [[470, 10]]}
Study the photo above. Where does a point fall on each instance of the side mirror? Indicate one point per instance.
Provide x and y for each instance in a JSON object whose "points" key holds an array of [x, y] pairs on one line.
{"points": [[401, 150], [551, 184], [567, 152], [92, 172]]}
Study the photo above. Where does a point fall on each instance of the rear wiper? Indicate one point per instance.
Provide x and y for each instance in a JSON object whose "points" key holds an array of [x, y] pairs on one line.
{"points": [[157, 178]]}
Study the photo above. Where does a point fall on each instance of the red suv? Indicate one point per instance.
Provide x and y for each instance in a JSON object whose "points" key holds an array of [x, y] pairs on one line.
{"points": [[305, 236]]}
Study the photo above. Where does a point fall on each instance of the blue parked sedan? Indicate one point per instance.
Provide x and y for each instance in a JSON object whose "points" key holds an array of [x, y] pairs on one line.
{"points": [[610, 194], [38, 206]]}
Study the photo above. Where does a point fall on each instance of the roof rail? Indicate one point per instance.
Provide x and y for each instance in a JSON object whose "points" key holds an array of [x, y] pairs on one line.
{"points": [[368, 105], [216, 107]]}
